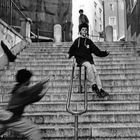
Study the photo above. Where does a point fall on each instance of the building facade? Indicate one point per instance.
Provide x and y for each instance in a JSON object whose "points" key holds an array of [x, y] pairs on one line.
{"points": [[133, 20], [114, 16], [94, 11]]}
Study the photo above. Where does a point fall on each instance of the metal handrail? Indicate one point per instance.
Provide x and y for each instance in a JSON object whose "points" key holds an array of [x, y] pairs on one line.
{"points": [[18, 9], [68, 108], [12, 13]]}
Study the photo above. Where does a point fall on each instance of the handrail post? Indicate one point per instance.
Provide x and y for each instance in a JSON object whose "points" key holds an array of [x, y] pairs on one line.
{"points": [[76, 127], [68, 108], [26, 28], [80, 85], [37, 34]]}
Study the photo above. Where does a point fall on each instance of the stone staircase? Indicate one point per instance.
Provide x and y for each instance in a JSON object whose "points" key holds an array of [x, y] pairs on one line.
{"points": [[115, 119]]}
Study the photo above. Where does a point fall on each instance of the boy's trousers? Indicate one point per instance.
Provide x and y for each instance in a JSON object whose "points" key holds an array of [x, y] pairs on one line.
{"points": [[24, 127], [92, 74]]}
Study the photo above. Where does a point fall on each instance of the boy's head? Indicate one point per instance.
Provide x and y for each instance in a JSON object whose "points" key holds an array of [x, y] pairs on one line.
{"points": [[23, 76], [83, 29], [81, 11]]}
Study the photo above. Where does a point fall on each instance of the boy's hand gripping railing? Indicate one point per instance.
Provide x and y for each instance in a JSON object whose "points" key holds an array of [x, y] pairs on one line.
{"points": [[68, 106]]}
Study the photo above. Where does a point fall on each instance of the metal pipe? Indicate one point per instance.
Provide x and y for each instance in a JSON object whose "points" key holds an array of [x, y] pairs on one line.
{"points": [[11, 14], [118, 19], [103, 4], [37, 34], [18, 9], [80, 85], [69, 96], [76, 113], [76, 128], [85, 87], [125, 20]]}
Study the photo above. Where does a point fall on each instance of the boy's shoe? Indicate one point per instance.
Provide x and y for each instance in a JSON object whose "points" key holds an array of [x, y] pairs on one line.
{"points": [[104, 94], [100, 93], [96, 89]]}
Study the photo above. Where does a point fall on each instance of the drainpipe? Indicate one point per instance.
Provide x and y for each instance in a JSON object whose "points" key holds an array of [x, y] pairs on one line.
{"points": [[103, 4], [125, 20], [36, 20], [118, 19]]}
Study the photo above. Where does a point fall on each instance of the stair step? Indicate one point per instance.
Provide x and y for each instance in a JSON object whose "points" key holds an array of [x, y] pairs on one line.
{"points": [[64, 88], [59, 64], [129, 71], [63, 55], [54, 97], [68, 62], [123, 130], [106, 59], [87, 132], [37, 76], [111, 82], [98, 117], [102, 68], [92, 106], [50, 50]]}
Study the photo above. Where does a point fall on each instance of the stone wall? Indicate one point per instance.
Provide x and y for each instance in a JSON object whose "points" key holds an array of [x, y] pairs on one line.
{"points": [[46, 13]]}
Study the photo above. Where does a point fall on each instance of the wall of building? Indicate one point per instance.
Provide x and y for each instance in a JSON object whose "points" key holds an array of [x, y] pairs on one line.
{"points": [[12, 39], [133, 20], [97, 20], [114, 16]]}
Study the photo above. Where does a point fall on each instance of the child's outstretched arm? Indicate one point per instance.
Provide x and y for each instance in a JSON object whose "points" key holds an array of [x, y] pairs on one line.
{"points": [[97, 51], [45, 81], [46, 85]]}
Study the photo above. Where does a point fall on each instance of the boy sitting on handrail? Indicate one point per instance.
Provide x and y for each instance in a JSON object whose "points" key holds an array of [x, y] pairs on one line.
{"points": [[82, 50]]}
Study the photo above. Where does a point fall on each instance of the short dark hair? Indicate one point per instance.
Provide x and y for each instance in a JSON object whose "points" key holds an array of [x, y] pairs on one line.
{"points": [[81, 11], [83, 25], [23, 75]]}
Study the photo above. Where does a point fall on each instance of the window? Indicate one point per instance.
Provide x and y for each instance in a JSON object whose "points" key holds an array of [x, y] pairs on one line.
{"points": [[100, 27], [95, 23], [95, 13], [100, 10], [111, 7], [95, 4], [132, 4], [112, 21]]}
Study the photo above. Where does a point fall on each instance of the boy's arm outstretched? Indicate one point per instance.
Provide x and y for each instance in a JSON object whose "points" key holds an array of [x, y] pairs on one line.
{"points": [[97, 51]]}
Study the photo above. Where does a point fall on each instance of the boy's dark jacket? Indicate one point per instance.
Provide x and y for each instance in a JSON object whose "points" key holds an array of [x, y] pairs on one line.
{"points": [[22, 96], [82, 50]]}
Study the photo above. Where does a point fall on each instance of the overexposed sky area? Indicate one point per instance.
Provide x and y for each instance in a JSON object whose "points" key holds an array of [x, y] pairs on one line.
{"points": [[80, 4]]}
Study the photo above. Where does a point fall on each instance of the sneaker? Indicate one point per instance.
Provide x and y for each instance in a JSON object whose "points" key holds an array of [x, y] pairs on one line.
{"points": [[104, 93], [96, 89]]}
